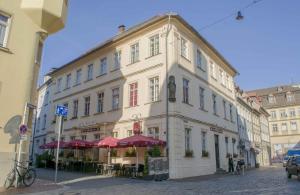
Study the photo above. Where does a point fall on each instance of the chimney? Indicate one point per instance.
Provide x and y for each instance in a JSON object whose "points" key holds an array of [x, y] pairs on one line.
{"points": [[121, 28]]}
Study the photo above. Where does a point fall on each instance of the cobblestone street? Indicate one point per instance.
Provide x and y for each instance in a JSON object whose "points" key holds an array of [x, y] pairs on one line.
{"points": [[271, 180]]}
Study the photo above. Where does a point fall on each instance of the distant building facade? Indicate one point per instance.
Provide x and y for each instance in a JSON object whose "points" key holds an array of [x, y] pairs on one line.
{"points": [[128, 77], [283, 105]]}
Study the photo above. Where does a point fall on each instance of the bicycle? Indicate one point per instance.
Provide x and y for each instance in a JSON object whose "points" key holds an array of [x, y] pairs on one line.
{"points": [[27, 176]]}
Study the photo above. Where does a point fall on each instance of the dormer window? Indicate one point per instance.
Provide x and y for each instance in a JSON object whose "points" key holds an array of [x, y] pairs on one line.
{"points": [[289, 97], [271, 99]]}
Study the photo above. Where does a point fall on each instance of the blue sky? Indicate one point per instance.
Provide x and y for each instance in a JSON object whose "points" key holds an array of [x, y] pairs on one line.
{"points": [[264, 47]]}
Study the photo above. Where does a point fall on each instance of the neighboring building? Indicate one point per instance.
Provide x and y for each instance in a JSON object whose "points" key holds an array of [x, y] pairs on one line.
{"points": [[24, 25], [253, 130], [283, 105], [127, 76]]}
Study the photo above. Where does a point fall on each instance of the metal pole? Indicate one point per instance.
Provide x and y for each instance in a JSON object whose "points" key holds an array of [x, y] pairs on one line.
{"points": [[58, 143]]}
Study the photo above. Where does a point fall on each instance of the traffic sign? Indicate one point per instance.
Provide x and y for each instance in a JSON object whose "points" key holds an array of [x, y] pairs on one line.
{"points": [[23, 129], [61, 111]]}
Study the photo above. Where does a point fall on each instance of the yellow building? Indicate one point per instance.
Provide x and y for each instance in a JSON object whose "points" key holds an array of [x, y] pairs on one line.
{"points": [[24, 25]]}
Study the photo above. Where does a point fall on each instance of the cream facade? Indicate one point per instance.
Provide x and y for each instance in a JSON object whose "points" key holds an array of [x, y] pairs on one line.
{"points": [[20, 57], [283, 105], [130, 76]]}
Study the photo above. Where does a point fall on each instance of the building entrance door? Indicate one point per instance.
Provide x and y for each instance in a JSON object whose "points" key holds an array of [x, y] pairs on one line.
{"points": [[217, 151]]}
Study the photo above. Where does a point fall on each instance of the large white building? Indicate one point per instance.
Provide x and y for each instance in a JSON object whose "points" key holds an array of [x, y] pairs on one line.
{"points": [[131, 75]]}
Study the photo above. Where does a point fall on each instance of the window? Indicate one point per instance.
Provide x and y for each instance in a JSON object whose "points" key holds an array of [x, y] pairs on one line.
{"points": [[68, 81], [212, 70], [38, 123], [129, 133], [292, 112], [203, 141], [283, 114], [153, 132], [233, 145], [66, 105], [222, 77], [103, 66], [72, 138], [289, 97], [117, 59], [154, 89], [4, 22], [184, 48], [100, 102], [201, 95], [134, 53], [271, 99], [87, 106], [199, 57], [83, 137], [231, 112], [283, 127], [188, 139], [62, 139], [224, 109], [214, 99], [133, 94], [293, 125], [115, 98], [46, 100], [75, 108], [58, 85], [44, 121], [185, 91], [273, 115], [90, 72], [226, 145], [227, 81], [154, 45], [78, 77], [115, 134], [97, 136]]}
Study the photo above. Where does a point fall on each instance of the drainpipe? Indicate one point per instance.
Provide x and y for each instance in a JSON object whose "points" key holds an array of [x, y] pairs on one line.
{"points": [[167, 91], [32, 145]]}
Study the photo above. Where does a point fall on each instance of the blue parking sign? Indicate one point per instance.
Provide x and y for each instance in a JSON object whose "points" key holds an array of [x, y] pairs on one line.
{"points": [[61, 111]]}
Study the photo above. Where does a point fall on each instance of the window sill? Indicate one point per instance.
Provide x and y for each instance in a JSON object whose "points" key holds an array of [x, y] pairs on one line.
{"points": [[101, 75], [185, 58], [88, 80], [67, 88], [113, 110], [213, 78], [98, 113], [187, 104], [152, 56], [73, 118], [46, 104], [133, 63], [132, 106], [200, 68], [203, 109], [216, 114], [5, 49], [84, 116], [188, 156], [226, 119], [57, 92], [115, 70], [152, 102], [76, 84]]}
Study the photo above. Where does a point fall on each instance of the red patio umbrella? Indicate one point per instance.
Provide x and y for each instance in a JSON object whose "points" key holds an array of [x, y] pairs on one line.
{"points": [[53, 145], [79, 144], [107, 142]]}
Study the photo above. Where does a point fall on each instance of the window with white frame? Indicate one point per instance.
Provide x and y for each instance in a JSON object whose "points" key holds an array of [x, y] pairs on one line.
{"points": [[133, 94], [97, 136], [117, 60], [184, 47], [90, 72], [188, 139], [4, 23], [292, 112], [153, 132], [154, 45], [87, 102], [199, 59], [227, 81], [68, 81], [115, 98], [289, 97], [75, 108], [231, 112], [103, 66], [273, 115], [222, 77], [293, 125], [58, 85], [283, 114], [100, 102], [225, 109], [202, 98], [154, 88], [78, 77], [66, 105], [72, 137], [83, 137], [115, 134], [129, 133], [271, 99], [186, 91], [212, 68], [203, 137], [283, 127], [214, 100], [134, 52], [46, 100]]}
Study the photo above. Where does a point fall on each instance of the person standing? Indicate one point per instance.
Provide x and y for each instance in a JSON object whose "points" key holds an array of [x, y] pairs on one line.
{"points": [[230, 164]]}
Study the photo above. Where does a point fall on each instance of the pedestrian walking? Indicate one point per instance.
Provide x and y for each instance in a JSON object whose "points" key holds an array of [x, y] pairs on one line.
{"points": [[230, 165]]}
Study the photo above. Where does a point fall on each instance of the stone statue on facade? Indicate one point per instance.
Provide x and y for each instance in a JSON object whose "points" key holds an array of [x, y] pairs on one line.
{"points": [[172, 89]]}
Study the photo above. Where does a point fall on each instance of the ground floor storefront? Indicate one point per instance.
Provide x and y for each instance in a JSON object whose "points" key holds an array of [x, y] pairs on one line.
{"points": [[281, 144]]}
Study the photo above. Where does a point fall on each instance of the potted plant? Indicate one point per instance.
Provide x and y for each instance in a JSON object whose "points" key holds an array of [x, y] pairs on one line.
{"points": [[113, 153], [189, 153], [154, 152], [205, 153], [130, 153]]}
